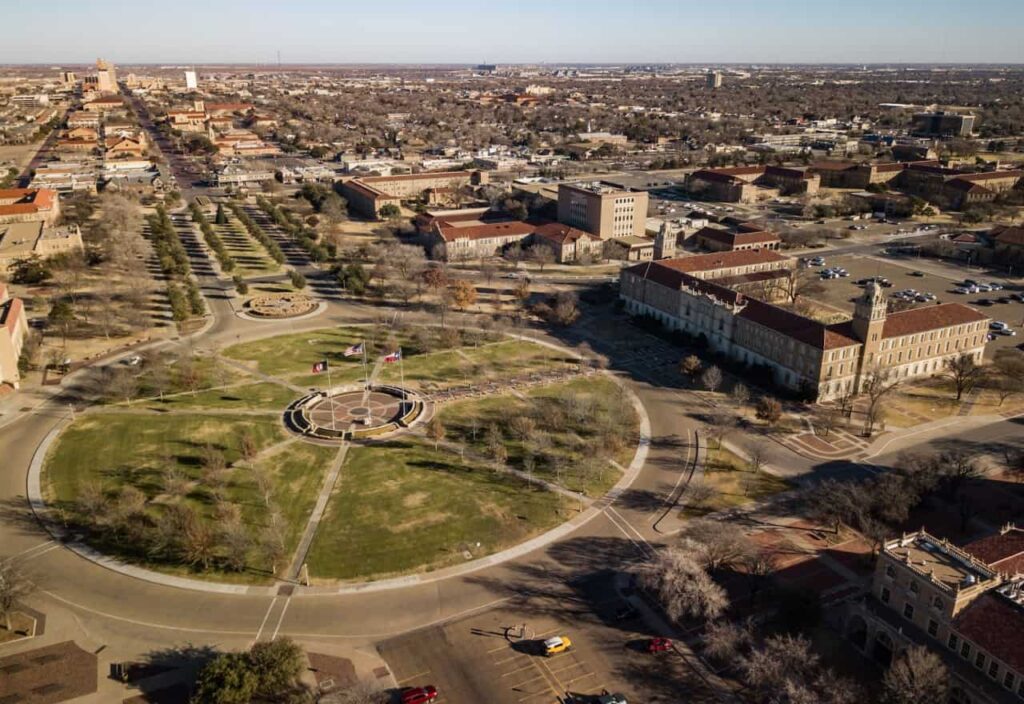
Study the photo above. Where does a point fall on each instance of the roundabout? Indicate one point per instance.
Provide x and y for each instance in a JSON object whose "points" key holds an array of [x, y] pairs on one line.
{"points": [[208, 489]]}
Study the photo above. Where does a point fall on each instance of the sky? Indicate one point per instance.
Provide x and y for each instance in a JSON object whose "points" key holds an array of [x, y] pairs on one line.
{"points": [[513, 31]]}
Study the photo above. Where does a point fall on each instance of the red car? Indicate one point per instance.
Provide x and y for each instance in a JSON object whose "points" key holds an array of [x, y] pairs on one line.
{"points": [[419, 695], [658, 645]]}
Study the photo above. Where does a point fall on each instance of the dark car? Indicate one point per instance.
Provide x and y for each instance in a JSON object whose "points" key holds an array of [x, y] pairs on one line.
{"points": [[917, 273], [983, 302]]}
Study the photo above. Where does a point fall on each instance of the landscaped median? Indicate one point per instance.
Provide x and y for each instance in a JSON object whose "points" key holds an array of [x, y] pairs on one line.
{"points": [[209, 483]]}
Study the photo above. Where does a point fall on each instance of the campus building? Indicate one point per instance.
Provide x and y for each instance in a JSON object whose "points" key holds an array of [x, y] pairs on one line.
{"points": [[734, 238], [367, 195], [942, 124], [476, 233], [21, 240], [749, 184], [725, 299], [13, 331], [603, 210], [28, 205], [965, 604]]}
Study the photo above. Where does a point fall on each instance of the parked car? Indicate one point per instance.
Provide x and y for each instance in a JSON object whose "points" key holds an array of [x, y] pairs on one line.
{"points": [[961, 290], [659, 645], [557, 644], [419, 695], [997, 325], [994, 286], [917, 273], [983, 302], [608, 698]]}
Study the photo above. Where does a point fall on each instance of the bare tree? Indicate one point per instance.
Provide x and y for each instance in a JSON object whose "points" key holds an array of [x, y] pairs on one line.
{"points": [[918, 676], [964, 372], [878, 383], [769, 410], [14, 586], [682, 586], [436, 430], [725, 641], [740, 394], [711, 379], [719, 545]]}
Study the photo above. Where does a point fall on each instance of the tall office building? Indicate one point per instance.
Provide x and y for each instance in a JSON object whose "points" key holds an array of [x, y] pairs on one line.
{"points": [[67, 77], [714, 79], [106, 77], [942, 124], [603, 209], [190, 80]]}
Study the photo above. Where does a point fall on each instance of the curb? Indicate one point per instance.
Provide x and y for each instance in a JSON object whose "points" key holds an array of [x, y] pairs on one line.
{"points": [[321, 307]]}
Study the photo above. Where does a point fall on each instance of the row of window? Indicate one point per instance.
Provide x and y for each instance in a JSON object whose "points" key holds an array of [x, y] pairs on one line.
{"points": [[981, 660], [933, 335]]}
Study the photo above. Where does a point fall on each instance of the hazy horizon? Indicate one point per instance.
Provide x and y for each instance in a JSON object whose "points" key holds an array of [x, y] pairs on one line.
{"points": [[458, 32]]}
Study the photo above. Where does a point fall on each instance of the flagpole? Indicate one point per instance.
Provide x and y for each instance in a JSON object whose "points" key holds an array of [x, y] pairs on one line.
{"points": [[366, 374], [330, 396], [401, 370]]}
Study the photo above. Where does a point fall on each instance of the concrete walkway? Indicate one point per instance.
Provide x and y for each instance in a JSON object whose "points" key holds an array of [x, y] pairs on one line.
{"points": [[318, 512]]}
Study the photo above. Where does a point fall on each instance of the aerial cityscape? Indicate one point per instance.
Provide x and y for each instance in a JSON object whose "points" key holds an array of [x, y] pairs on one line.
{"points": [[542, 353]]}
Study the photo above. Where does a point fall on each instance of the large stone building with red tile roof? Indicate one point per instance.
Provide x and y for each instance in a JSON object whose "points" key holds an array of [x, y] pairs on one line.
{"points": [[13, 331], [29, 204], [965, 604], [721, 298]]}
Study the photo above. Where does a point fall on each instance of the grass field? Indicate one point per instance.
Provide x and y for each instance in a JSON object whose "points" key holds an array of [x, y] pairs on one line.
{"points": [[291, 357], [259, 395], [567, 431], [402, 507], [733, 484], [251, 259], [117, 449]]}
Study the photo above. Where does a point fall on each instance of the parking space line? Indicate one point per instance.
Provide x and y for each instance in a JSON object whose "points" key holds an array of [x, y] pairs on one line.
{"points": [[531, 696], [517, 656], [413, 677], [517, 685], [581, 677], [568, 667], [528, 667], [503, 646]]}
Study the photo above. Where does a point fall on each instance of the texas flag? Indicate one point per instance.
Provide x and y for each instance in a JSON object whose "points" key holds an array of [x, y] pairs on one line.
{"points": [[354, 350], [393, 357], [320, 367]]}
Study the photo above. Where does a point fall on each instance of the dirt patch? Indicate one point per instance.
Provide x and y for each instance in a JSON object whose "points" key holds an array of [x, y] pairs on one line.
{"points": [[415, 500]]}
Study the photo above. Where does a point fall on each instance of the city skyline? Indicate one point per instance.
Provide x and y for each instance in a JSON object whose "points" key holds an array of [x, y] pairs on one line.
{"points": [[455, 31]]}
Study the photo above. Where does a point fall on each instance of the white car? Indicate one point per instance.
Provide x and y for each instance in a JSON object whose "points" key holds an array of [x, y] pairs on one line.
{"points": [[998, 325], [994, 287], [961, 289]]}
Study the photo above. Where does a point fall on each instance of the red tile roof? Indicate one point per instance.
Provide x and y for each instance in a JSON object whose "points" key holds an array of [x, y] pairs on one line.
{"points": [[734, 239], [995, 624], [412, 177], [557, 233], [805, 330], [723, 260], [943, 315], [11, 313], [509, 228], [1012, 235], [802, 329], [991, 175], [1003, 551]]}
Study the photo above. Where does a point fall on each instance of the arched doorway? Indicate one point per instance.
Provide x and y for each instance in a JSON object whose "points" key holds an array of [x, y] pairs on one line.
{"points": [[883, 650], [857, 632]]}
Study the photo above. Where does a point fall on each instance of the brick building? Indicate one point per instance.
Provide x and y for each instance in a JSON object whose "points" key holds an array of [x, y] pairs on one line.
{"points": [[603, 210], [965, 604], [725, 299]]}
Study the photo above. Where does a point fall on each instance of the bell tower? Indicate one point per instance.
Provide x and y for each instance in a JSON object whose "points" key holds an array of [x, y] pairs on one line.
{"points": [[665, 243], [869, 320]]}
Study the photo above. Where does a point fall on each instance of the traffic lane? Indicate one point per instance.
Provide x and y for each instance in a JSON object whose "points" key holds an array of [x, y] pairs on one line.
{"points": [[990, 438]]}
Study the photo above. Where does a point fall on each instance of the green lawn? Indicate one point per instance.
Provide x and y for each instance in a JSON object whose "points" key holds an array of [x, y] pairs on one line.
{"points": [[733, 484], [256, 396], [118, 449], [570, 438], [251, 259], [297, 471], [293, 355], [402, 506]]}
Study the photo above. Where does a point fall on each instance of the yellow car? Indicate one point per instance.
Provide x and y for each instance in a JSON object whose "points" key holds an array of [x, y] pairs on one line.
{"points": [[558, 644]]}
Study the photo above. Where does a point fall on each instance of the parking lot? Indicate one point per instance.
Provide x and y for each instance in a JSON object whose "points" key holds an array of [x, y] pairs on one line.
{"points": [[483, 659], [928, 276]]}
